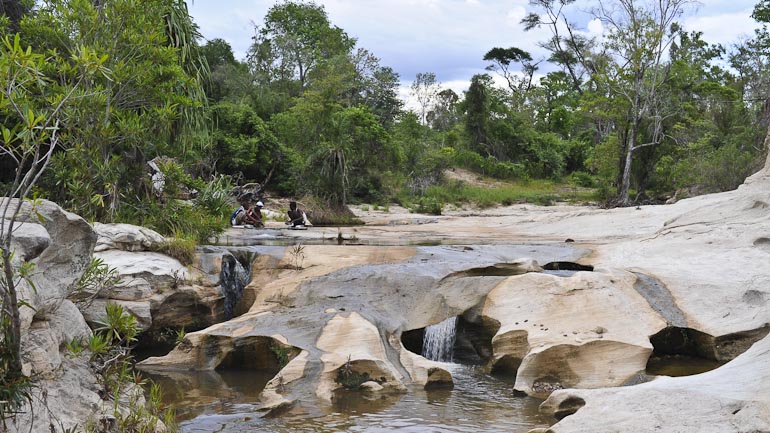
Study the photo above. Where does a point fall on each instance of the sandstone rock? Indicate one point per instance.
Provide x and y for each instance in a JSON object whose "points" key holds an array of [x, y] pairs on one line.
{"points": [[730, 399], [126, 237], [587, 331], [371, 386], [66, 241], [354, 353], [424, 372], [67, 399], [29, 241], [272, 398], [40, 350], [160, 271]]}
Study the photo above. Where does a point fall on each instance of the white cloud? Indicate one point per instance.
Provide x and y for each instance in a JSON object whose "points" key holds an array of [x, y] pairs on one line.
{"points": [[724, 28], [595, 28]]}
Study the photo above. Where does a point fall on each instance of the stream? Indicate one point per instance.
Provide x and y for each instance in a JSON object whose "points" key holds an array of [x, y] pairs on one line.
{"points": [[224, 401]]}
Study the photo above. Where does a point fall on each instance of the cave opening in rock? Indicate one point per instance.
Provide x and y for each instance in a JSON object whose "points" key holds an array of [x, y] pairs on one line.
{"points": [[472, 342], [679, 351], [257, 353], [567, 266]]}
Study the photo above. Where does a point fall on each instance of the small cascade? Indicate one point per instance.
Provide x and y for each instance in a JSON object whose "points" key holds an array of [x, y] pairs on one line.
{"points": [[439, 340]]}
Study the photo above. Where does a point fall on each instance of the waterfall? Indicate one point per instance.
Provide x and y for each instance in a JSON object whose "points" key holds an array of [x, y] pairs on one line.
{"points": [[439, 340]]}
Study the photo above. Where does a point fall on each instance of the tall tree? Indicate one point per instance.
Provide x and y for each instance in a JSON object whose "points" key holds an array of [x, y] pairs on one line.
{"points": [[567, 46], [476, 106], [153, 104], [424, 88], [502, 58], [640, 35], [294, 39]]}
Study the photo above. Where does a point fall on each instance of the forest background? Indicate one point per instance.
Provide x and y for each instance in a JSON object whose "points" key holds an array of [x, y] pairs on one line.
{"points": [[647, 112]]}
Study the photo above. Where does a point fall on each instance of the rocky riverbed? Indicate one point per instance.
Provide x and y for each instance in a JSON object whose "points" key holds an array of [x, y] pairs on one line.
{"points": [[681, 279]]}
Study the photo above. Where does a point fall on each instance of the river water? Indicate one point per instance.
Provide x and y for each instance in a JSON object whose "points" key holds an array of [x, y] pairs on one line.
{"points": [[225, 402]]}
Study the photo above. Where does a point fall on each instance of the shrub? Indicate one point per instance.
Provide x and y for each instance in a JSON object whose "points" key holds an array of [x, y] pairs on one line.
{"points": [[581, 178], [180, 249], [429, 205]]}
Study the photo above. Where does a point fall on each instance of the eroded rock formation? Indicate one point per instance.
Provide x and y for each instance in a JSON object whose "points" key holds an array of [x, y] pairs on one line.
{"points": [[347, 319]]}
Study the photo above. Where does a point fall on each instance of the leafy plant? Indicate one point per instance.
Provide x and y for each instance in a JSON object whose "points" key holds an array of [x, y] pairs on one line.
{"points": [[119, 327], [75, 347], [350, 378], [180, 336], [97, 278], [98, 344]]}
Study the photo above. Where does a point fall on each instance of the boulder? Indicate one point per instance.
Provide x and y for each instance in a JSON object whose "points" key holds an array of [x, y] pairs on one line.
{"points": [[159, 270], [354, 354], [126, 237], [67, 400], [730, 399], [59, 244], [587, 330]]}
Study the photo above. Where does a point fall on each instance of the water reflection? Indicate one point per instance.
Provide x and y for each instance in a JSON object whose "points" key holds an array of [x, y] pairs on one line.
{"points": [[679, 365], [225, 402]]}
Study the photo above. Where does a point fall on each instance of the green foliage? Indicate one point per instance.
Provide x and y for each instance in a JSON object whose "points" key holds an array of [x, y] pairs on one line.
{"points": [[581, 178], [541, 192], [490, 166], [282, 354], [350, 378], [120, 327], [75, 347], [428, 205], [180, 249], [97, 278], [176, 217], [15, 388], [98, 344], [148, 102], [180, 336], [244, 143]]}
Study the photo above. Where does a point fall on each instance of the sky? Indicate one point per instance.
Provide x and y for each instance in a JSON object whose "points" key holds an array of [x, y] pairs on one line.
{"points": [[446, 37]]}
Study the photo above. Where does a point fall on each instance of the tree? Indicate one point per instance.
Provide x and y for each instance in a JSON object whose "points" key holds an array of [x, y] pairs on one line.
{"points": [[295, 39], [476, 107], [444, 114], [376, 87], [640, 35], [15, 10], [425, 88], [569, 50], [153, 104], [502, 59], [32, 107]]}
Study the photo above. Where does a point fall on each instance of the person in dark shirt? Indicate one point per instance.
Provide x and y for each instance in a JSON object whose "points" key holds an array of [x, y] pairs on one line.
{"points": [[296, 216]]}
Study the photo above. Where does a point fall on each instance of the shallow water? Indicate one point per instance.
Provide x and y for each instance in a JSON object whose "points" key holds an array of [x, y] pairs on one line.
{"points": [[679, 365], [478, 403]]}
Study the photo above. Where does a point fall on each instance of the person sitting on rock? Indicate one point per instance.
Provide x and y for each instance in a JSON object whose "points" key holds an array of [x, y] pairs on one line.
{"points": [[297, 217], [249, 214]]}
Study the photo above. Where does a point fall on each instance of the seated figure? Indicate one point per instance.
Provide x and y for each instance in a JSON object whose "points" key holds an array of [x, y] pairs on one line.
{"points": [[297, 217]]}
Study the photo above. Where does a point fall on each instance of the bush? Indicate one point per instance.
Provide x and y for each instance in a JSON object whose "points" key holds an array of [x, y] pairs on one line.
{"points": [[490, 166], [322, 213], [429, 205], [180, 249], [581, 178]]}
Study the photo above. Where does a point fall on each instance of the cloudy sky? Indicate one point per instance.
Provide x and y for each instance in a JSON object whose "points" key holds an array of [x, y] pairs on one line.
{"points": [[447, 37]]}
